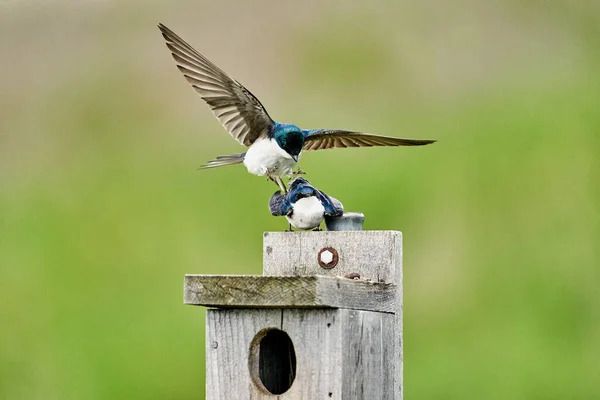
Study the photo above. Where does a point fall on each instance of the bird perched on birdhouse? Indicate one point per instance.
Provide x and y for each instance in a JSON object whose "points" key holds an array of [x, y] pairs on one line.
{"points": [[304, 206]]}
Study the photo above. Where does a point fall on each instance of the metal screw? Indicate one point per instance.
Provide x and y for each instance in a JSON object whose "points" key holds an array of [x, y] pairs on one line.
{"points": [[328, 257]]}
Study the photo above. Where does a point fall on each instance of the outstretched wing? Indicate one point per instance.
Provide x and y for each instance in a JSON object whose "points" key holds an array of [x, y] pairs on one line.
{"points": [[318, 139], [239, 111]]}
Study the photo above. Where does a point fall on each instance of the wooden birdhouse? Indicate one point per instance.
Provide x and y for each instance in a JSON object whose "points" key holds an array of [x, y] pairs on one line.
{"points": [[324, 321]]}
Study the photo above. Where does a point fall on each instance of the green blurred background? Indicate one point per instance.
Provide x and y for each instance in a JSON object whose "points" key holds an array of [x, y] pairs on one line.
{"points": [[102, 209]]}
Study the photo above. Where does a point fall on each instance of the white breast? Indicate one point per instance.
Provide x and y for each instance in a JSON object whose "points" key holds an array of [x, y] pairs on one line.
{"points": [[266, 157], [307, 213]]}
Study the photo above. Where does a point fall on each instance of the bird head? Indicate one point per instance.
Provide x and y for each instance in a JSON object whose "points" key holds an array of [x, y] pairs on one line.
{"points": [[290, 138]]}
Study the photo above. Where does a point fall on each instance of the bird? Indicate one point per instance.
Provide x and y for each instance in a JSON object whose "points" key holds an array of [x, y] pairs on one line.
{"points": [[273, 148], [303, 205]]}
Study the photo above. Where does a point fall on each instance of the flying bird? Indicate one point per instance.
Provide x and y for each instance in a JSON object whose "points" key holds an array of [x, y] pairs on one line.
{"points": [[304, 206], [273, 148]]}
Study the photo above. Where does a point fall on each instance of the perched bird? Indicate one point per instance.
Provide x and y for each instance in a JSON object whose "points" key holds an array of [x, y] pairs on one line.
{"points": [[304, 206], [273, 148]]}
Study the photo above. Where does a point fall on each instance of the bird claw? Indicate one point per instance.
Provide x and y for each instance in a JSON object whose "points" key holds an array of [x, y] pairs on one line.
{"points": [[317, 229], [298, 172]]}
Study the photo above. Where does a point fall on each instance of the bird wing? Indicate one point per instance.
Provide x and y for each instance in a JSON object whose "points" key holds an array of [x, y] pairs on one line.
{"points": [[318, 139], [244, 117], [337, 207], [333, 207], [278, 204]]}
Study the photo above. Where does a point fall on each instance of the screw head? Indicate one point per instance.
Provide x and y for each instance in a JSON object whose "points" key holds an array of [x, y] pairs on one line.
{"points": [[328, 258]]}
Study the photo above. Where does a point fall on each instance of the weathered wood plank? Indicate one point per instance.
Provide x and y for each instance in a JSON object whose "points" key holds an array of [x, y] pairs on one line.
{"points": [[340, 354], [228, 337], [390, 357], [368, 368], [249, 291], [316, 335], [398, 344], [375, 255]]}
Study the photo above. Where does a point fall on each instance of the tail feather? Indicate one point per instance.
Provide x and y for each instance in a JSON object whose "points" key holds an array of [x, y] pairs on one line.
{"points": [[222, 161]]}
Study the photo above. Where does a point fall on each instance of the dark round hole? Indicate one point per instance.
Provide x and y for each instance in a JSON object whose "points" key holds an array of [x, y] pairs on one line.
{"points": [[276, 366]]}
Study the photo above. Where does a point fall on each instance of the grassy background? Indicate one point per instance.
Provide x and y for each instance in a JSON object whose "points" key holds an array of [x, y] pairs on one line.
{"points": [[102, 209]]}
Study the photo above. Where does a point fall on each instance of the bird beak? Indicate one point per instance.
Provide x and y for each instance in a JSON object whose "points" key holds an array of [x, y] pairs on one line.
{"points": [[295, 158]]}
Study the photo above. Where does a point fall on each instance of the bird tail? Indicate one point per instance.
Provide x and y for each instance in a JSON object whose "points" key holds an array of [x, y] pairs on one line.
{"points": [[222, 161]]}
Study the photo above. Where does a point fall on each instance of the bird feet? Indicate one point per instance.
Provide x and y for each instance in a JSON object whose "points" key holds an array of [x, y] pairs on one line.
{"points": [[297, 172], [317, 229]]}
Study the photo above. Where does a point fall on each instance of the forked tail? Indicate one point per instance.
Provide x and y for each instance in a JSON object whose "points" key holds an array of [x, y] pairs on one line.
{"points": [[222, 161]]}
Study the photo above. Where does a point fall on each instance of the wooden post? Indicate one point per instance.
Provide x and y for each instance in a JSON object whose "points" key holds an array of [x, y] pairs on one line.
{"points": [[323, 322]]}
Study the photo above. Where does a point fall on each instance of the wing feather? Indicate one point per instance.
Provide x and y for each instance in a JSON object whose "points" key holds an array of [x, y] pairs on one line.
{"points": [[329, 138], [240, 112]]}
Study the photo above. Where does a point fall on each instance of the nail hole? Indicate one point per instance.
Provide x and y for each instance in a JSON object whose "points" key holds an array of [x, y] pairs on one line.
{"points": [[330, 394], [328, 324], [272, 361]]}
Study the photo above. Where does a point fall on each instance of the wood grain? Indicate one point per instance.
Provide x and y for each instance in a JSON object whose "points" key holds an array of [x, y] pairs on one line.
{"points": [[228, 337], [340, 354], [346, 334], [250, 291], [373, 254]]}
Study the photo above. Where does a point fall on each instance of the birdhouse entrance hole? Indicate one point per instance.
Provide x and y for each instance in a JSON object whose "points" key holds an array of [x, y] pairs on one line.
{"points": [[272, 361]]}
